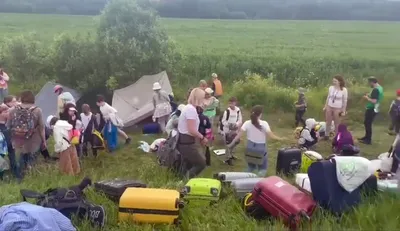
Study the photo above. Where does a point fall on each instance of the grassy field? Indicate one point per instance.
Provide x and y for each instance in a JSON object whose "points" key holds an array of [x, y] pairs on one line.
{"points": [[289, 40]]}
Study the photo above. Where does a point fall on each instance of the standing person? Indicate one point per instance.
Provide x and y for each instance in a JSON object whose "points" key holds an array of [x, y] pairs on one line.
{"points": [[205, 129], [27, 131], [64, 97], [335, 104], [301, 107], [4, 78], [257, 131], [9, 103], [232, 117], [68, 158], [203, 85], [189, 135], [89, 123], [394, 113], [162, 107], [372, 108], [216, 86], [210, 105]]}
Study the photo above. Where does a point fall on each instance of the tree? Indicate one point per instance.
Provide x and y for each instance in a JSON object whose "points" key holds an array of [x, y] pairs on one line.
{"points": [[132, 41]]}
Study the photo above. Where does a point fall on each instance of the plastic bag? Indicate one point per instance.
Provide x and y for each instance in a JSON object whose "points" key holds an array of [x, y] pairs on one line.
{"points": [[144, 146]]}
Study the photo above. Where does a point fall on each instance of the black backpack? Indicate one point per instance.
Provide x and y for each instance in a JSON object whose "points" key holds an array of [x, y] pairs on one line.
{"points": [[168, 155], [228, 112]]}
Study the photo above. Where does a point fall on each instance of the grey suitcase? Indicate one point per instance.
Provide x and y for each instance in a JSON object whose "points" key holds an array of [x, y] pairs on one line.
{"points": [[228, 177], [243, 186]]}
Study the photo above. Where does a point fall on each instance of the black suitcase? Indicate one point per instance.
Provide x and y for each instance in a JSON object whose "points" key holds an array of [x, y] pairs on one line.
{"points": [[370, 186], [114, 189], [288, 161]]}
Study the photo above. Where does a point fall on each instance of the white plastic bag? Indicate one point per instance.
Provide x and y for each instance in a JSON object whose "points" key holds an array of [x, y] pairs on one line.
{"points": [[4, 164], [144, 146], [386, 162]]}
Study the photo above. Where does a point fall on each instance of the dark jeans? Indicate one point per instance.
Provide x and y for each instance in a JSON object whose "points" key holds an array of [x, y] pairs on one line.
{"points": [[368, 120], [299, 118], [394, 124], [85, 148], [194, 161]]}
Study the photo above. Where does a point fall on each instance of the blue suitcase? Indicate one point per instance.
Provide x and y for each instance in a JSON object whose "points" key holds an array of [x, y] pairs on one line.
{"points": [[327, 191], [151, 128]]}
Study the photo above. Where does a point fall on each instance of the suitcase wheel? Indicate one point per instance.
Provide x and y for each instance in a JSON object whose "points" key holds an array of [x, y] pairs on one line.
{"points": [[186, 190], [179, 204], [177, 222]]}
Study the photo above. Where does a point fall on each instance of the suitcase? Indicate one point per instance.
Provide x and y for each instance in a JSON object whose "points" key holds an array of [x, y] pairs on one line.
{"points": [[151, 128], [303, 181], [283, 200], [327, 190], [228, 177], [288, 161], [307, 158], [370, 186], [114, 189], [149, 205], [253, 209], [388, 186], [202, 190], [243, 186]]}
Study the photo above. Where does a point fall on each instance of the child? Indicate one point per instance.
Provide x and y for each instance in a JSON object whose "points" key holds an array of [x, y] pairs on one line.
{"points": [[68, 158], [89, 123], [232, 115], [394, 112], [173, 119], [308, 136], [229, 151], [343, 138], [301, 107], [206, 131]]}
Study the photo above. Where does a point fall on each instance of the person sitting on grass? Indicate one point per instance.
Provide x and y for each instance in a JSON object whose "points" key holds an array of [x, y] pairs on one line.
{"points": [[257, 131], [342, 138], [68, 157], [308, 136]]}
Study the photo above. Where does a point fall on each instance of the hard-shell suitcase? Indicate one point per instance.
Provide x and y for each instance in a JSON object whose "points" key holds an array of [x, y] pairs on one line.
{"points": [[202, 190], [228, 177], [326, 189], [303, 181], [283, 200], [149, 205], [288, 161], [116, 187], [243, 186], [151, 128], [307, 158], [370, 186]]}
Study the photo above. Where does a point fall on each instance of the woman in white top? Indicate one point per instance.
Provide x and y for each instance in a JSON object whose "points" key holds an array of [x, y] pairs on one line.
{"points": [[336, 104], [162, 106], [189, 135], [257, 131]]}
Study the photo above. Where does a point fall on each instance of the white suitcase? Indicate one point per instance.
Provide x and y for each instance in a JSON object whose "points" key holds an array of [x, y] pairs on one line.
{"points": [[303, 181]]}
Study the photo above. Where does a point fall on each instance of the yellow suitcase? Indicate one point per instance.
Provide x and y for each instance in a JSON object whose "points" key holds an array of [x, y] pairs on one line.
{"points": [[149, 205]]}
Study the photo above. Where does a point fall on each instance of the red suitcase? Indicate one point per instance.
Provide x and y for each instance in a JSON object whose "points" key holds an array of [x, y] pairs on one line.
{"points": [[283, 200]]}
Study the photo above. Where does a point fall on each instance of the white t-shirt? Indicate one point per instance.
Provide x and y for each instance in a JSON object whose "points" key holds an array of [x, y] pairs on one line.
{"points": [[337, 98], [235, 117], [189, 112], [86, 119], [254, 134], [106, 110]]}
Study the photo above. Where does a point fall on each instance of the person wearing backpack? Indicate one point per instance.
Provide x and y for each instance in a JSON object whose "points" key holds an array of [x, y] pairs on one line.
{"points": [[68, 156], [232, 115], [308, 135], [90, 125], [27, 131], [394, 112]]}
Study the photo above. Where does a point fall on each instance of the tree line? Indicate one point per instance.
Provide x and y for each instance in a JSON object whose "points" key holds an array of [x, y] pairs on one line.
{"points": [[387, 10]]}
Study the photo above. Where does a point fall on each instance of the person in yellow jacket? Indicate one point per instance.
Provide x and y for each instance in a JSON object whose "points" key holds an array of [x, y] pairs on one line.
{"points": [[216, 86]]}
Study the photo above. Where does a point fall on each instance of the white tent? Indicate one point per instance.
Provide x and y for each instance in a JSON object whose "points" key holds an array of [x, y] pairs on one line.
{"points": [[134, 103], [46, 99]]}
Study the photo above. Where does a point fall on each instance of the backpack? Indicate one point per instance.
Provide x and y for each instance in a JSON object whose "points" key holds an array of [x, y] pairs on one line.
{"points": [[23, 123], [228, 112], [297, 132], [168, 155]]}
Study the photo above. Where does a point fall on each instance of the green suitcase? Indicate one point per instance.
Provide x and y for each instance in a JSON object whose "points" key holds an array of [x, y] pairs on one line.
{"points": [[202, 191]]}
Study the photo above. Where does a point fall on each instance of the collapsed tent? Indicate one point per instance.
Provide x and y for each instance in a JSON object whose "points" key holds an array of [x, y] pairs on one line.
{"points": [[46, 99], [134, 103]]}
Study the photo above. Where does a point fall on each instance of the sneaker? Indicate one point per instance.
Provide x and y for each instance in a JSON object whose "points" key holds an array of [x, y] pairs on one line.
{"points": [[229, 162], [128, 140], [234, 157], [365, 142], [97, 215], [360, 139]]}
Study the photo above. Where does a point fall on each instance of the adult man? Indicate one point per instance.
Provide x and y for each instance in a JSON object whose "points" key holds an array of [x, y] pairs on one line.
{"points": [[372, 108], [216, 86]]}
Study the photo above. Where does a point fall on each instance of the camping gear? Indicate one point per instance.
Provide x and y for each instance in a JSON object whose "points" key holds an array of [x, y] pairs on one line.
{"points": [[243, 186], [288, 161], [327, 190], [134, 103], [202, 190], [151, 128], [47, 100], [388, 186], [168, 155], [282, 200], [114, 189], [150, 205], [303, 181], [227, 177], [307, 158]]}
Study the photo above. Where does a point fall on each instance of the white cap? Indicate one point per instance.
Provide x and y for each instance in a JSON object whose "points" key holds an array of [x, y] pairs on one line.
{"points": [[214, 75], [72, 109], [180, 107], [156, 86], [208, 90], [49, 118]]}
